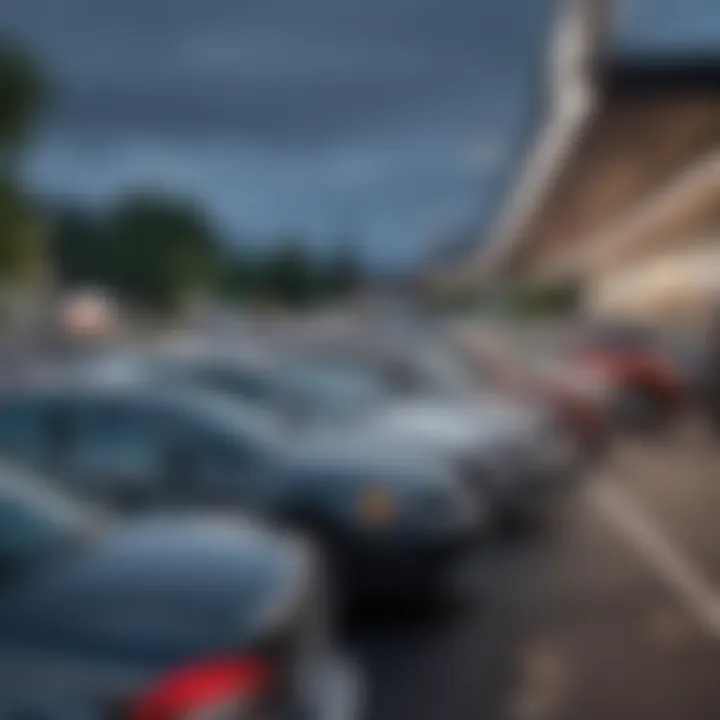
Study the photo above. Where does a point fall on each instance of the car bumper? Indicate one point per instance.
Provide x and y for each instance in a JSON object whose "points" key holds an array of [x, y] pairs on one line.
{"points": [[425, 567]]}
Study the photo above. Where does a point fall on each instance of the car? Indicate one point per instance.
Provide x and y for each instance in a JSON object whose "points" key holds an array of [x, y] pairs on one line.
{"points": [[539, 371], [512, 455], [515, 449], [390, 518], [650, 388], [160, 617]]}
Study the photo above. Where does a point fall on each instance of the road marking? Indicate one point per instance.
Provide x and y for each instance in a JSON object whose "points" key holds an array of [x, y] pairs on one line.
{"points": [[676, 570], [544, 682], [667, 626]]}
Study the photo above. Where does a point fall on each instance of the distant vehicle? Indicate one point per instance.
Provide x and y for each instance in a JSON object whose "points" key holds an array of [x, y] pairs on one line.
{"points": [[159, 618], [515, 450], [390, 518], [508, 453], [581, 400], [650, 387]]}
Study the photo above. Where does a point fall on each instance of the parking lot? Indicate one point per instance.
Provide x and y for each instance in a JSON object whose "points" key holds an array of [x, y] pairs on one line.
{"points": [[508, 578], [612, 612]]}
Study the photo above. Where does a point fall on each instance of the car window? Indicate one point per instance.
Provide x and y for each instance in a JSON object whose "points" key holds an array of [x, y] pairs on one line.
{"points": [[115, 441], [244, 385], [217, 467], [23, 427], [331, 387], [441, 371]]}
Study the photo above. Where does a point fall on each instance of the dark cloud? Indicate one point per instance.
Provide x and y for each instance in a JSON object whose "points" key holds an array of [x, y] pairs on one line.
{"points": [[389, 115], [667, 25], [278, 69]]}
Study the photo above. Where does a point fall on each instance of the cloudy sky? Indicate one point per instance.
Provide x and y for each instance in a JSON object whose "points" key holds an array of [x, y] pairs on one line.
{"points": [[394, 120]]}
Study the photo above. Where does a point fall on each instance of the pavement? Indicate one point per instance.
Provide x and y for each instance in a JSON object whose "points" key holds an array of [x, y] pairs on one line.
{"points": [[610, 611]]}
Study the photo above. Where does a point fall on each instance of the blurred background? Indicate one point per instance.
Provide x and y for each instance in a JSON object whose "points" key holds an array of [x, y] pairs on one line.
{"points": [[441, 226]]}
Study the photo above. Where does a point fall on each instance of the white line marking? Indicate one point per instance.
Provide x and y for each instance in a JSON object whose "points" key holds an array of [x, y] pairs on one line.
{"points": [[678, 572], [544, 681]]}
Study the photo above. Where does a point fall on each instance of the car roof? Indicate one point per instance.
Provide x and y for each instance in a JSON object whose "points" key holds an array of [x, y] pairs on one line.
{"points": [[138, 386]]}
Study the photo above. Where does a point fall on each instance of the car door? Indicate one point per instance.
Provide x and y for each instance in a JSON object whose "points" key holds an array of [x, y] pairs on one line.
{"points": [[42, 671], [24, 427], [24, 661], [112, 449]]}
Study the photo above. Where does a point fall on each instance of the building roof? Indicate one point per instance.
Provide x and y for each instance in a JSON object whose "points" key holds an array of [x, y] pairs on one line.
{"points": [[584, 80], [565, 106]]}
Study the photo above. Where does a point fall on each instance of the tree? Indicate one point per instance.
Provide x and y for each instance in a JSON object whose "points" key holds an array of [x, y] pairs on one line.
{"points": [[239, 275], [23, 91], [288, 274], [76, 245], [343, 272], [160, 250], [20, 247]]}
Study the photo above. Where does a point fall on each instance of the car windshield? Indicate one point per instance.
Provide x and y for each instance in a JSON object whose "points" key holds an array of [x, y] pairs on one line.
{"points": [[256, 426], [441, 372], [247, 383], [331, 387]]}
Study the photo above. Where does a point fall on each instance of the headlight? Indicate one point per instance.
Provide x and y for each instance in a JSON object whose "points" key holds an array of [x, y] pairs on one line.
{"points": [[378, 507]]}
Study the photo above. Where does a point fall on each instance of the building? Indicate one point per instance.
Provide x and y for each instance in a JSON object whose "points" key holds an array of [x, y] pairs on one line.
{"points": [[625, 167]]}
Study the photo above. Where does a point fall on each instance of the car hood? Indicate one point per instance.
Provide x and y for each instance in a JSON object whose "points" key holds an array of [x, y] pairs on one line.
{"points": [[455, 424], [410, 441], [159, 589], [360, 454]]}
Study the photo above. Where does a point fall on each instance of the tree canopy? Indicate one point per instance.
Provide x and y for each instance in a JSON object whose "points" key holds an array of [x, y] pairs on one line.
{"points": [[23, 91], [159, 249]]}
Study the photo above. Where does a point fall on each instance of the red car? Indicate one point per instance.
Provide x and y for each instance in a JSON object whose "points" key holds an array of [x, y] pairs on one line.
{"points": [[650, 390], [579, 398]]}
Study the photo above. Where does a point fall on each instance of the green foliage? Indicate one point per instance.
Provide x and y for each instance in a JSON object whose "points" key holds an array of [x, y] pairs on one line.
{"points": [[19, 238], [158, 250], [288, 277], [23, 91], [77, 247], [287, 273], [343, 273], [153, 249], [542, 300]]}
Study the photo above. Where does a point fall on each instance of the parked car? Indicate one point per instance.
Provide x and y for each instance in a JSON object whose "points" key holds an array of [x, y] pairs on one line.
{"points": [[390, 518], [511, 454], [650, 388], [158, 618], [539, 372]]}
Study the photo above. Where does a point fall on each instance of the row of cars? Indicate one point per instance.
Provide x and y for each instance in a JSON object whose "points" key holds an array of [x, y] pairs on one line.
{"points": [[599, 379], [243, 487]]}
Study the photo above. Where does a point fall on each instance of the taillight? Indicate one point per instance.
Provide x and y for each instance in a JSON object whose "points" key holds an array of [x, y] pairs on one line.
{"points": [[205, 690]]}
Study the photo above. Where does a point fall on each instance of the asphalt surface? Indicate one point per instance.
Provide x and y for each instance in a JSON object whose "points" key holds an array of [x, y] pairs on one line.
{"points": [[611, 611]]}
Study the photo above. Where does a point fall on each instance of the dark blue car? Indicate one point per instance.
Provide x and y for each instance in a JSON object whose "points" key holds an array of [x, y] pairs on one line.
{"points": [[391, 517], [161, 618]]}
